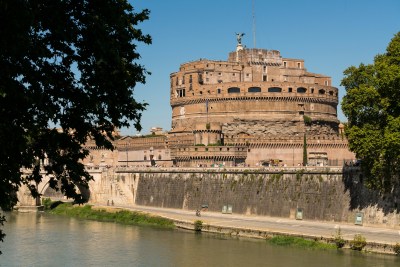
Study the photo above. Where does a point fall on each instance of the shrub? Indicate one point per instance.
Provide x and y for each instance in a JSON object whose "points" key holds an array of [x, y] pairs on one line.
{"points": [[290, 241], [46, 202], [358, 243], [338, 239], [396, 249], [198, 225], [307, 120]]}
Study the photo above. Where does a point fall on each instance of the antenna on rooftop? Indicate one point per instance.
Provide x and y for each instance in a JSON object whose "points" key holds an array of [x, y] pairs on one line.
{"points": [[254, 25]]}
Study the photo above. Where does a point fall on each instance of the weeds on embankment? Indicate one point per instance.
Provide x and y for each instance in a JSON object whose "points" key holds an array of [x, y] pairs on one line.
{"points": [[299, 243], [122, 216]]}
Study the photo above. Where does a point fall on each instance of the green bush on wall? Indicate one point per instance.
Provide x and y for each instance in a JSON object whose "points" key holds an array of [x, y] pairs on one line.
{"points": [[338, 239], [358, 243], [198, 225], [396, 249]]}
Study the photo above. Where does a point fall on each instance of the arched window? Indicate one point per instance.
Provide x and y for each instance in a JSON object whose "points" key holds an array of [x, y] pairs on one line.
{"points": [[330, 92], [234, 90], [159, 157], [274, 90], [218, 90], [301, 90], [321, 91], [254, 90]]}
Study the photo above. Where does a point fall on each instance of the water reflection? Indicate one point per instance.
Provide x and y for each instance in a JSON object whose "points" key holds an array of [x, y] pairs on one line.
{"points": [[47, 240]]}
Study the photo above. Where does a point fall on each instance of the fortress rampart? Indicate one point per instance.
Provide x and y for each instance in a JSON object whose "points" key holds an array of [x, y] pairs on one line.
{"points": [[324, 194]]}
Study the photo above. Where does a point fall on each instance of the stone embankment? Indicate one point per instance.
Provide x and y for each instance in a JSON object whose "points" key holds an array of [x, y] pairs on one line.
{"points": [[319, 194], [334, 196], [378, 240]]}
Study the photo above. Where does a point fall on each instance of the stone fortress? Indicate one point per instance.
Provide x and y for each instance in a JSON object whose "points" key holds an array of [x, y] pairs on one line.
{"points": [[255, 109]]}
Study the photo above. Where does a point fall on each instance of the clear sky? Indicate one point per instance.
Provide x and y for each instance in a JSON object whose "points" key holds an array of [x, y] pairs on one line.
{"points": [[330, 35]]}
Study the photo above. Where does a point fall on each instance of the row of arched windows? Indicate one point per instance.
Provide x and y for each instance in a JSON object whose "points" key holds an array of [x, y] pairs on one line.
{"points": [[300, 90], [145, 157]]}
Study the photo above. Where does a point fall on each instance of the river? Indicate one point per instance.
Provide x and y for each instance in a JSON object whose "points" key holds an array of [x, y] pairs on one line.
{"points": [[49, 240]]}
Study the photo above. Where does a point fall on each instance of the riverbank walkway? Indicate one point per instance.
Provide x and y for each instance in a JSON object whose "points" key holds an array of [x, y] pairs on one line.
{"points": [[378, 237]]}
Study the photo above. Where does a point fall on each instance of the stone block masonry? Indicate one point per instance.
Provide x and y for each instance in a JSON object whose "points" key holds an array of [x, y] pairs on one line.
{"points": [[321, 193]]}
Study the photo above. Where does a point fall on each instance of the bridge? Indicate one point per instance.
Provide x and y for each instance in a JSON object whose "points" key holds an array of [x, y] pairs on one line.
{"points": [[28, 203]]}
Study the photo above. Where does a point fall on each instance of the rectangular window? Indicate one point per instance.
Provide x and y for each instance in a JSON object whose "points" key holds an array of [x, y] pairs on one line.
{"points": [[298, 65], [284, 64], [290, 89], [181, 93], [264, 78]]}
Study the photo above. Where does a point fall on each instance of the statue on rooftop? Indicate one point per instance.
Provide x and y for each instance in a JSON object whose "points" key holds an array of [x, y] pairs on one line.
{"points": [[239, 38]]}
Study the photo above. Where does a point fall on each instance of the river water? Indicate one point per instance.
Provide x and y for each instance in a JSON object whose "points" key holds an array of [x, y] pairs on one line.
{"points": [[49, 240]]}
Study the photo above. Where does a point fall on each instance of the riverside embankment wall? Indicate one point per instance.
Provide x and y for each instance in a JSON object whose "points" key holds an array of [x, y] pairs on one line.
{"points": [[321, 193]]}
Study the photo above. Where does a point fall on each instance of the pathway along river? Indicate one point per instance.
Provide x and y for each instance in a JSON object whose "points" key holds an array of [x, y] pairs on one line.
{"points": [[49, 240]]}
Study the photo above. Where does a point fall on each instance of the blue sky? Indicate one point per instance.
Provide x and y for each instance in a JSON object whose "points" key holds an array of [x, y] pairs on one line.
{"points": [[330, 35]]}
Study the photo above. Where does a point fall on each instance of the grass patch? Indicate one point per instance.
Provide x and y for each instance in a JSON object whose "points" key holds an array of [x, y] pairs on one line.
{"points": [[122, 216], [291, 241]]}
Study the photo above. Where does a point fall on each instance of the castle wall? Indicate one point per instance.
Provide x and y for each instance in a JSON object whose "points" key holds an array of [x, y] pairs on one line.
{"points": [[323, 193]]}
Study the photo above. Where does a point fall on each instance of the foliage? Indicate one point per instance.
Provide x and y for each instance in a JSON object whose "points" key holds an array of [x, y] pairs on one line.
{"points": [[298, 242], [218, 143], [122, 216], [2, 235], [198, 225], [372, 107], [68, 70], [305, 157], [338, 239], [46, 202], [396, 249], [307, 120], [358, 243], [299, 174]]}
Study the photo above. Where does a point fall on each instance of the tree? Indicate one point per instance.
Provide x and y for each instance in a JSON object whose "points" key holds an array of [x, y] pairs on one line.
{"points": [[305, 157], [372, 106], [68, 70], [307, 123]]}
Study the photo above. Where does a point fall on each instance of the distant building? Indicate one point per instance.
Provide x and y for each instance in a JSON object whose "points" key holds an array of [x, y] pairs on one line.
{"points": [[157, 130]]}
